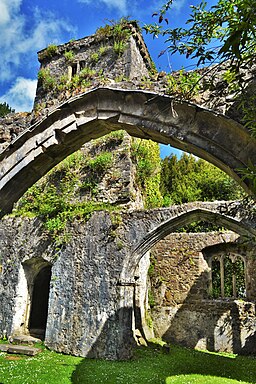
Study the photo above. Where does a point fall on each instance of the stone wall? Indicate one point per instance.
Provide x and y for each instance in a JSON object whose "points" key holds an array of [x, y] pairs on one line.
{"points": [[183, 310], [20, 239], [179, 265], [133, 71], [11, 126], [209, 325], [90, 312], [98, 286], [129, 70], [115, 185]]}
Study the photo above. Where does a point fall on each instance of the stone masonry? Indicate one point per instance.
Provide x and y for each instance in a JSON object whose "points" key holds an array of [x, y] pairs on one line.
{"points": [[98, 291], [94, 278], [88, 88], [184, 311]]}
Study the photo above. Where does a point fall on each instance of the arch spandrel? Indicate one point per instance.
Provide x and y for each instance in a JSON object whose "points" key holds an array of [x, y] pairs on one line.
{"points": [[184, 125]]}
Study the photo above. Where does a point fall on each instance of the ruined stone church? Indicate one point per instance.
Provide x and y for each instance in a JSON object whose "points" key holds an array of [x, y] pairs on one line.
{"points": [[126, 276]]}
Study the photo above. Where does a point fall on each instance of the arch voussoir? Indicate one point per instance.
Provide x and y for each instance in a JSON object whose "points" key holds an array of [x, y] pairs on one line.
{"points": [[163, 119]]}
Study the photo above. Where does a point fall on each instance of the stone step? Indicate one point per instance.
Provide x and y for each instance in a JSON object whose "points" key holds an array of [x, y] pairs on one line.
{"points": [[19, 349], [4, 347], [24, 339]]}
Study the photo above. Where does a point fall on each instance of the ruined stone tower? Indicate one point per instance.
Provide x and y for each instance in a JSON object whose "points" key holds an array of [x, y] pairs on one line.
{"points": [[114, 54]]}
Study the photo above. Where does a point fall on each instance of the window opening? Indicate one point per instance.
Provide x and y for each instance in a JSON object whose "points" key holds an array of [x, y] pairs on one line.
{"points": [[74, 69], [216, 279], [227, 277], [240, 277], [82, 65], [77, 67]]}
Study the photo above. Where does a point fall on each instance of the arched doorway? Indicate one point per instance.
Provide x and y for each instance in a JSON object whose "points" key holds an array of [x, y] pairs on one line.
{"points": [[39, 303]]}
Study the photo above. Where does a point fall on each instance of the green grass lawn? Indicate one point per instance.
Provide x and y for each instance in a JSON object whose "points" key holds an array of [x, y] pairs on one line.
{"points": [[45, 368], [149, 366]]}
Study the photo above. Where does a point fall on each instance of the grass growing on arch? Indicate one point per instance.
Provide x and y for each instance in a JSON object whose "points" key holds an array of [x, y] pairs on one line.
{"points": [[149, 366]]}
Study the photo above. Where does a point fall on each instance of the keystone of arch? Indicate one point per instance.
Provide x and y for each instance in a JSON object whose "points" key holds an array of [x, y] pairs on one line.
{"points": [[209, 135]]}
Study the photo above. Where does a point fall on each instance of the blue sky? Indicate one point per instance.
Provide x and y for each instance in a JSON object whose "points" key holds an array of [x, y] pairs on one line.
{"points": [[27, 26]]}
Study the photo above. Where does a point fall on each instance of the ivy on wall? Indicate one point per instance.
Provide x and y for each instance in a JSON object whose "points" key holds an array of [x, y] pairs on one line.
{"points": [[68, 190], [146, 157]]}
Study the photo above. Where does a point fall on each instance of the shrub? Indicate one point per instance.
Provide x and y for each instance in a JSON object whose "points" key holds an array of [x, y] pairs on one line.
{"points": [[47, 81], [69, 55], [95, 57], [86, 73], [103, 32], [185, 84], [101, 162], [102, 50], [119, 47], [50, 51]]}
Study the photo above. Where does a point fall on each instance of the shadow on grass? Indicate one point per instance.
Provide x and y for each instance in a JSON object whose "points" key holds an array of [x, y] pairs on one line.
{"points": [[181, 365]]}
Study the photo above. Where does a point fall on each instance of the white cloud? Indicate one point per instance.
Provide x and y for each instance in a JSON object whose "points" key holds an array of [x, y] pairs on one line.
{"points": [[6, 9], [178, 5], [4, 14], [22, 35], [21, 95], [120, 5]]}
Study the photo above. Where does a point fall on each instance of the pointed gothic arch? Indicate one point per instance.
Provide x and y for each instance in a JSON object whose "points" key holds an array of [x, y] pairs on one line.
{"points": [[95, 113], [164, 228]]}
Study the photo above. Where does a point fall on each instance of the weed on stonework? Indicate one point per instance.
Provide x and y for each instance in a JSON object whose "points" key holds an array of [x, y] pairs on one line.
{"points": [[150, 365]]}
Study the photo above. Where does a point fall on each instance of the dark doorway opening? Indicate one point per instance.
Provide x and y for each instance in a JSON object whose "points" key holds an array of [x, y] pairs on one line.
{"points": [[39, 303]]}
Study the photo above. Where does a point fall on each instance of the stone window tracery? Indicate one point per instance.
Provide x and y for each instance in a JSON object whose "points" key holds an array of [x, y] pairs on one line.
{"points": [[227, 276]]}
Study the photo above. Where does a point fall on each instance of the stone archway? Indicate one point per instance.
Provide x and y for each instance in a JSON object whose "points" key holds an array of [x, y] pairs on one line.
{"points": [[31, 301], [187, 126], [168, 225]]}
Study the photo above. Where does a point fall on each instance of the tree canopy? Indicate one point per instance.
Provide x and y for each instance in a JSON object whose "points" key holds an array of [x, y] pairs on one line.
{"points": [[225, 32], [5, 109], [188, 179]]}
